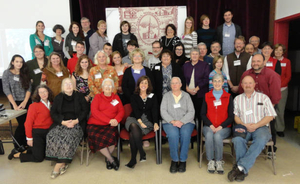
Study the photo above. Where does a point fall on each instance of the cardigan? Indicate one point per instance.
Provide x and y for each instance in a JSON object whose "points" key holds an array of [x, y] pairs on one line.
{"points": [[118, 43], [158, 78], [274, 64], [58, 46], [149, 108], [221, 115], [81, 109], [96, 43], [104, 108], [128, 83], [35, 40], [38, 117], [184, 113], [286, 72], [34, 72]]}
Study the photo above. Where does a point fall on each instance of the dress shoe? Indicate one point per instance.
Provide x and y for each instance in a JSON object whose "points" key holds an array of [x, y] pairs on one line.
{"points": [[131, 164], [173, 167], [115, 164], [182, 167], [12, 153], [232, 175], [280, 134], [241, 177], [108, 164]]}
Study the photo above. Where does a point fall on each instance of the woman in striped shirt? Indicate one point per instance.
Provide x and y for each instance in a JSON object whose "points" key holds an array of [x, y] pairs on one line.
{"points": [[189, 38]]}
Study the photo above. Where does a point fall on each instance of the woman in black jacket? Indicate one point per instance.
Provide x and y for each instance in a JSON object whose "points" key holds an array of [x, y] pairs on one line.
{"points": [[69, 113], [143, 119]]}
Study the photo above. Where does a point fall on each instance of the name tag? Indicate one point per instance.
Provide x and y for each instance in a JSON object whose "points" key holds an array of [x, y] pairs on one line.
{"points": [[16, 78], [237, 63], [114, 102], [98, 76], [150, 95], [217, 103], [259, 103], [73, 42], [248, 112], [37, 42], [269, 64], [59, 74], [227, 35], [36, 71], [283, 64], [177, 106], [157, 68], [120, 73], [46, 43], [137, 71]]}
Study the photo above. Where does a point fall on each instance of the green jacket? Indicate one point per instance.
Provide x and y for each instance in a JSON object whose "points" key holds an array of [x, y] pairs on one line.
{"points": [[35, 40]]}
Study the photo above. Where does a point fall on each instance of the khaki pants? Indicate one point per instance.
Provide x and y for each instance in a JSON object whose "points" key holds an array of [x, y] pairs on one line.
{"points": [[279, 124]]}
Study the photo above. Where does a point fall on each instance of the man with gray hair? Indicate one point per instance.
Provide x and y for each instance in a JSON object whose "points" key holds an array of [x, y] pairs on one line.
{"points": [[203, 57], [87, 31], [215, 48], [255, 41]]}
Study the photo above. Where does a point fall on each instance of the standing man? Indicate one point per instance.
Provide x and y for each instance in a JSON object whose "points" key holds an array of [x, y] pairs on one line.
{"points": [[87, 31], [121, 39], [203, 57], [255, 41], [235, 64], [227, 32], [154, 59], [253, 111], [215, 48], [73, 61]]}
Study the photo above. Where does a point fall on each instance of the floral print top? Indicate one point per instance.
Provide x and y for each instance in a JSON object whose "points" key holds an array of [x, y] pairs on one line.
{"points": [[81, 85]]}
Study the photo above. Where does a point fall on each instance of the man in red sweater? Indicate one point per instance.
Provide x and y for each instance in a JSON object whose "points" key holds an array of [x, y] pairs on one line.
{"points": [[73, 61]]}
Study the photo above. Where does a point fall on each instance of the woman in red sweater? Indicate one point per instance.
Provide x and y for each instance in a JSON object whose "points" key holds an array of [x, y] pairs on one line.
{"points": [[286, 75], [217, 115], [37, 124], [106, 113]]}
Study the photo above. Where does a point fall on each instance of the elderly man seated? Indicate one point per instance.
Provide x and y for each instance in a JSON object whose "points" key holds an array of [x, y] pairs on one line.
{"points": [[253, 111]]}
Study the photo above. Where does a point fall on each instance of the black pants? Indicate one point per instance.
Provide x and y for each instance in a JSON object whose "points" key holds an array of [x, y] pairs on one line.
{"points": [[20, 131], [37, 152], [197, 102]]}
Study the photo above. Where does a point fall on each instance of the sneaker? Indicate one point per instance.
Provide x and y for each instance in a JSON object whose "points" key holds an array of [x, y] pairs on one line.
{"points": [[270, 155], [211, 166], [232, 175], [219, 166], [241, 177]]}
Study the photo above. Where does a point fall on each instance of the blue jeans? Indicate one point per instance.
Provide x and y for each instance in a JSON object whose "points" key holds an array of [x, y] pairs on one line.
{"points": [[175, 135], [245, 156], [214, 142]]}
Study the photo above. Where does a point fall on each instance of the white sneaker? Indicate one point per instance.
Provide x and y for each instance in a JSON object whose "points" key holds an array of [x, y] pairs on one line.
{"points": [[211, 166], [219, 166]]}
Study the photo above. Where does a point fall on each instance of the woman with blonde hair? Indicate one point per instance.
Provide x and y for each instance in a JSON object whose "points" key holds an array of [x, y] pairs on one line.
{"points": [[189, 38]]}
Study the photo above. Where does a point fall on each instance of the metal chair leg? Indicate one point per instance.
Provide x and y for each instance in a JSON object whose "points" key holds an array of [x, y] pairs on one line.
{"points": [[273, 160], [156, 143]]}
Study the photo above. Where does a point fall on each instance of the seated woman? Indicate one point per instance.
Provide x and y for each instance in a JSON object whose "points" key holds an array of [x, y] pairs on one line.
{"points": [[218, 62], [217, 115], [69, 113], [37, 124], [106, 113], [143, 119], [177, 111]]}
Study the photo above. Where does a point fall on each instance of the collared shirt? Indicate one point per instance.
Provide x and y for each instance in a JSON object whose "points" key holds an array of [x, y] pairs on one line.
{"points": [[177, 98], [228, 38], [253, 109], [46, 104]]}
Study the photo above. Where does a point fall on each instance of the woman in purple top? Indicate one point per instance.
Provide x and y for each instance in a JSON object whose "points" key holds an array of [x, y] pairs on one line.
{"points": [[196, 74]]}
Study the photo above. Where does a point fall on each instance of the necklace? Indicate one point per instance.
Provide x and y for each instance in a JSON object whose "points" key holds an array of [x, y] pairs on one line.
{"points": [[167, 44]]}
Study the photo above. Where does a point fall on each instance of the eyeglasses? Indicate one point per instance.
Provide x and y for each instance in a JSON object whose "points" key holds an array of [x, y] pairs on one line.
{"points": [[155, 47]]}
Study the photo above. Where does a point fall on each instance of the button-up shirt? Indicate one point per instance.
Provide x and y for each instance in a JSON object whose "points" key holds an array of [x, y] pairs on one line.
{"points": [[228, 38]]}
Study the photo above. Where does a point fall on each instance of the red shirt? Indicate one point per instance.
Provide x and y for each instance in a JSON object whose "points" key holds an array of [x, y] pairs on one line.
{"points": [[286, 72], [271, 63], [104, 108], [38, 117], [72, 63], [267, 82]]}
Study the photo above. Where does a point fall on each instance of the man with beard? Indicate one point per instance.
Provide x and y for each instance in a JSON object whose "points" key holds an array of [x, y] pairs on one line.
{"points": [[215, 48], [267, 82], [203, 57], [235, 64], [255, 41], [154, 59]]}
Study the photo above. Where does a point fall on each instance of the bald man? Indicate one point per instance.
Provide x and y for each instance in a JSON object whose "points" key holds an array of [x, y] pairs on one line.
{"points": [[254, 111]]}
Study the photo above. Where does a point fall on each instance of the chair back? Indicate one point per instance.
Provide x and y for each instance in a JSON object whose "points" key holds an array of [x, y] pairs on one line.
{"points": [[128, 110]]}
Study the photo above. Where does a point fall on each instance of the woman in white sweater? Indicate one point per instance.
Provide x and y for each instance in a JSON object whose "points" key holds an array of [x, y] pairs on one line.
{"points": [[189, 38]]}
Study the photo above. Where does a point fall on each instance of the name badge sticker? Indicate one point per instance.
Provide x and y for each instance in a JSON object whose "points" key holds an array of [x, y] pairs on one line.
{"points": [[46, 43], [114, 102], [237, 62], [269, 64], [157, 68], [98, 76], [59, 74], [177, 106], [283, 64], [37, 71], [248, 112], [137, 71], [150, 95], [217, 103], [120, 73], [227, 35], [16, 78], [73, 43]]}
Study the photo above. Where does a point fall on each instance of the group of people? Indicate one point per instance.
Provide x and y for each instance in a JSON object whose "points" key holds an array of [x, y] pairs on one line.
{"points": [[208, 74]]}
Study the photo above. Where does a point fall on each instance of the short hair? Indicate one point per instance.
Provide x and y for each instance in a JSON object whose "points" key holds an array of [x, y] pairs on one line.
{"points": [[36, 97], [227, 10], [242, 38], [135, 51], [80, 33], [80, 43], [108, 79], [123, 23], [116, 53], [217, 76], [166, 51], [214, 42], [84, 18], [216, 59], [280, 45], [156, 41], [58, 26], [78, 70], [177, 78], [173, 27], [133, 43], [192, 28], [249, 44], [96, 55], [107, 44], [202, 43], [142, 78], [63, 83], [204, 16], [267, 44], [254, 36], [195, 50]]}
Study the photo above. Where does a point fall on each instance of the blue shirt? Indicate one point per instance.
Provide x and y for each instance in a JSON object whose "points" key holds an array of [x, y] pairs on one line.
{"points": [[217, 94], [136, 76], [209, 61], [228, 39]]}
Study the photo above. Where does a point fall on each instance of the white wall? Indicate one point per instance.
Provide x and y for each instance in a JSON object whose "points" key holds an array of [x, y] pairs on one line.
{"points": [[18, 19], [286, 8]]}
